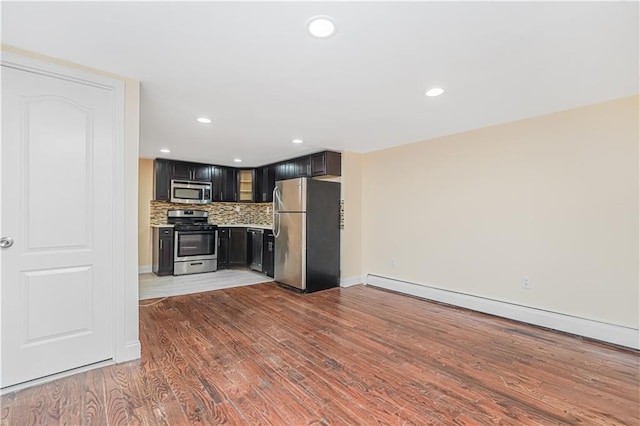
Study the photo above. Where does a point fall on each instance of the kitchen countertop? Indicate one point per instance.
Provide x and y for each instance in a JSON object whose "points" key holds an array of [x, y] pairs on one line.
{"points": [[250, 225], [224, 225]]}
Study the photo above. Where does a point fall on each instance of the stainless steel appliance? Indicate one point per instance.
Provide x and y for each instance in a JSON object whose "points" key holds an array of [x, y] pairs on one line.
{"points": [[254, 240], [190, 192], [195, 242], [307, 233]]}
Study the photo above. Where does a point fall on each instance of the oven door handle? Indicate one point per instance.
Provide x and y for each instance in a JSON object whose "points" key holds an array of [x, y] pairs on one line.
{"points": [[194, 232]]}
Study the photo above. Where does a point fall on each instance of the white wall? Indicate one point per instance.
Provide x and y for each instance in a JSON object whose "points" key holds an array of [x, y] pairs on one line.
{"points": [[553, 197]]}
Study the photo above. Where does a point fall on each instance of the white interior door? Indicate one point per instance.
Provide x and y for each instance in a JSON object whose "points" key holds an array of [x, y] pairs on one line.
{"points": [[57, 207]]}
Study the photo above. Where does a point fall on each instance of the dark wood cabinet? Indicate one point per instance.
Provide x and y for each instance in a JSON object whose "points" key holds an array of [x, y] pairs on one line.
{"points": [[191, 171], [181, 170], [223, 180], [265, 182], [167, 170], [162, 259], [247, 185], [302, 167], [232, 247], [162, 170], [238, 246], [282, 170], [291, 169], [326, 163]]}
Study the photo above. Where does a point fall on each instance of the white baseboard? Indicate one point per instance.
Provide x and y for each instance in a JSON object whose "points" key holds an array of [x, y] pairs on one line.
{"points": [[144, 269], [349, 281], [623, 336], [130, 352]]}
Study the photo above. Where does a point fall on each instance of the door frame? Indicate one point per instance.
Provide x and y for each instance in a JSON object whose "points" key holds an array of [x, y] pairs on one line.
{"points": [[126, 344]]}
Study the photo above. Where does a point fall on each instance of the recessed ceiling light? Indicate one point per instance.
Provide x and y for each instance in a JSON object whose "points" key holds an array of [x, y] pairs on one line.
{"points": [[321, 26], [204, 120], [165, 150], [238, 160], [435, 91], [296, 141]]}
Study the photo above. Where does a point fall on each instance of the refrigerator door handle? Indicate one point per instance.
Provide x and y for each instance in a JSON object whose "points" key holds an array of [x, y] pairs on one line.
{"points": [[276, 212]]}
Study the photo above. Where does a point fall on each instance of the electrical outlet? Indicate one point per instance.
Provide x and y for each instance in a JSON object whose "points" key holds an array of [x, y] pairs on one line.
{"points": [[237, 208], [268, 209], [526, 283], [394, 263]]}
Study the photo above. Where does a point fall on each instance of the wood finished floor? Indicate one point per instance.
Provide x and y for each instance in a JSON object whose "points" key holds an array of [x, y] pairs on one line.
{"points": [[356, 356]]}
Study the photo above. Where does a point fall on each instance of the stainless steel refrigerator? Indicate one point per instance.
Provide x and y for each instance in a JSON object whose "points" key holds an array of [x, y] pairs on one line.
{"points": [[307, 234]]}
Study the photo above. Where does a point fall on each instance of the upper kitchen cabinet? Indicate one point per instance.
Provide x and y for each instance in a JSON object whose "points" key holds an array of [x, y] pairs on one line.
{"points": [[162, 170], [245, 185], [284, 170], [223, 180], [265, 182], [326, 163], [302, 167], [291, 169], [191, 171], [167, 170]]}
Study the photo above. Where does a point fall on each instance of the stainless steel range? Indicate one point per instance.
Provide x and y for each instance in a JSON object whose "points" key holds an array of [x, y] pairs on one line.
{"points": [[195, 242]]}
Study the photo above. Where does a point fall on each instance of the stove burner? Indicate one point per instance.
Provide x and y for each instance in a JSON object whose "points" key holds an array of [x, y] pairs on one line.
{"points": [[190, 220]]}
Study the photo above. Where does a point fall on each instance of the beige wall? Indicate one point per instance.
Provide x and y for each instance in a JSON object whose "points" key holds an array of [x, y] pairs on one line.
{"points": [[351, 236], [145, 195], [553, 197]]}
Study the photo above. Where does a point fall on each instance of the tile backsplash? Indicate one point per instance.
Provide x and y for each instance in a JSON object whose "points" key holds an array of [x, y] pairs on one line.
{"points": [[225, 213], [219, 213]]}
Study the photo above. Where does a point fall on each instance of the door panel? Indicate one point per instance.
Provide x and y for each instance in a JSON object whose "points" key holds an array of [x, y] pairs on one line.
{"points": [[70, 290], [238, 246], [57, 204], [43, 117], [290, 249]]}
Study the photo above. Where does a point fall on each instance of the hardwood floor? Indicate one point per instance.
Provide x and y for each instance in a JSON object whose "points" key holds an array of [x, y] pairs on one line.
{"points": [[356, 356]]}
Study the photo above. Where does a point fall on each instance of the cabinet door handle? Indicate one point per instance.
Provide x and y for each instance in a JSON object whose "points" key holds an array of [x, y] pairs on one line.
{"points": [[160, 244]]}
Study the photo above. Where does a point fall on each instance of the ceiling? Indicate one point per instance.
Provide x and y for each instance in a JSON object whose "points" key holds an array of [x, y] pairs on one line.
{"points": [[257, 73]]}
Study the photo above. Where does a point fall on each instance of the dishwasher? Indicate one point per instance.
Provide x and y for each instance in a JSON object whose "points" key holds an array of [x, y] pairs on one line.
{"points": [[255, 238]]}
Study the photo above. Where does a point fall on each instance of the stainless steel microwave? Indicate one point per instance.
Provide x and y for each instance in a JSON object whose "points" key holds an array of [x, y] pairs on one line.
{"points": [[190, 192]]}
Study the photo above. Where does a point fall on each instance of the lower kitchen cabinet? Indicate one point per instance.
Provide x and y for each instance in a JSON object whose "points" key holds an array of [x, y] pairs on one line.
{"points": [[238, 246], [162, 260], [232, 247]]}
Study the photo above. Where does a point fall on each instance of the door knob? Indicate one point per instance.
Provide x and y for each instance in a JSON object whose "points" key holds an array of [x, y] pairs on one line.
{"points": [[6, 242]]}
